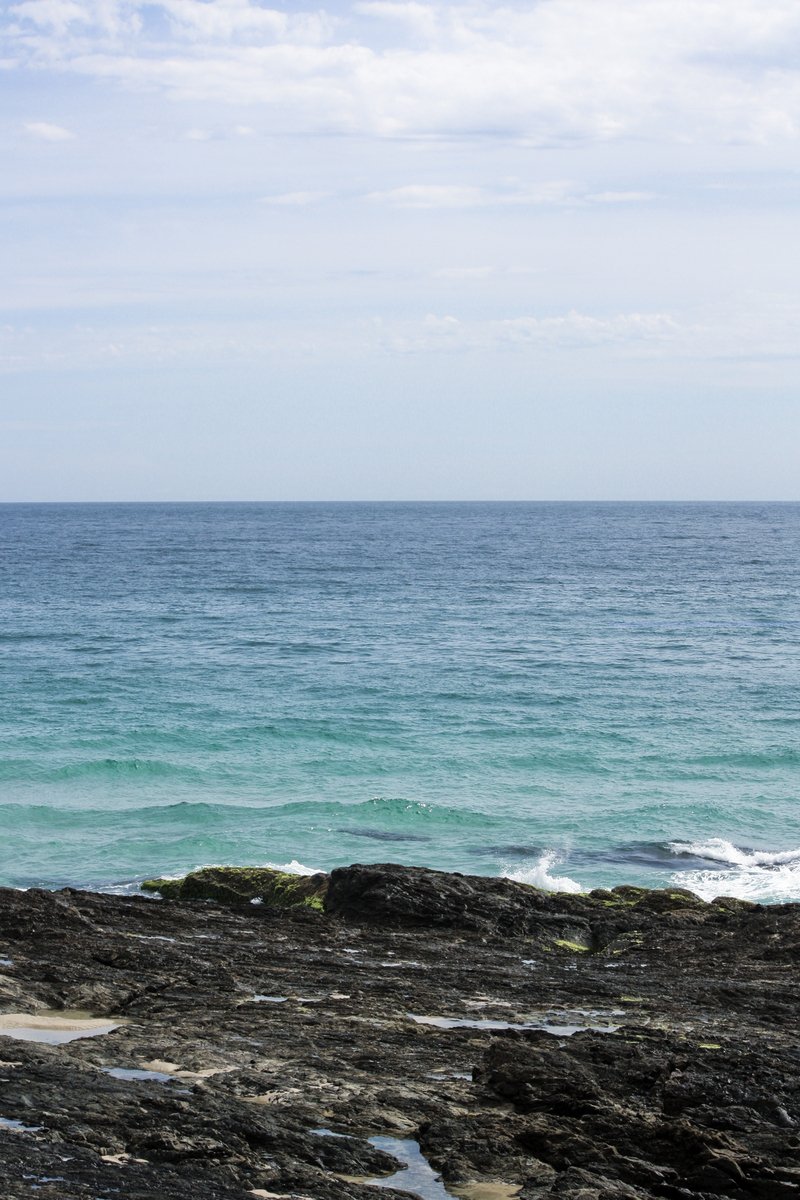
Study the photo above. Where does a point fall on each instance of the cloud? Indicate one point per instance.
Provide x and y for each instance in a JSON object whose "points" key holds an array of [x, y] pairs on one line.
{"points": [[554, 192], [294, 199], [669, 71], [620, 197], [747, 329], [197, 133], [570, 331], [419, 195], [93, 17], [581, 329], [48, 132]]}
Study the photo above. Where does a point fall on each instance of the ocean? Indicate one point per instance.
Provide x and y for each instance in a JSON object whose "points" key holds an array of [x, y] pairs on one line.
{"points": [[571, 695]]}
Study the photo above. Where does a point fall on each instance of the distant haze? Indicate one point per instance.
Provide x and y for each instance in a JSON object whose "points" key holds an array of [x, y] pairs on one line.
{"points": [[399, 250]]}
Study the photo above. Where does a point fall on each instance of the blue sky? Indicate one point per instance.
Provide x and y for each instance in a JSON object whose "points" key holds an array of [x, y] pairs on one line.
{"points": [[399, 250]]}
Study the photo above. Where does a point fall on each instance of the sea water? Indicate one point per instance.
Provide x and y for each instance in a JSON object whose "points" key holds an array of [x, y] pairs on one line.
{"points": [[571, 695]]}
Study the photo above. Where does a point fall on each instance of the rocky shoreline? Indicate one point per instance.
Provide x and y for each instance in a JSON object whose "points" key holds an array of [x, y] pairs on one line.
{"points": [[610, 1046]]}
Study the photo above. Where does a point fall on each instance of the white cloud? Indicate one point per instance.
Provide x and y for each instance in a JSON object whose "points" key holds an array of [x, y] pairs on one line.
{"points": [[419, 195], [60, 17], [294, 199], [420, 20], [47, 132], [581, 329], [748, 329], [570, 331], [241, 20], [554, 192], [549, 73], [621, 197]]}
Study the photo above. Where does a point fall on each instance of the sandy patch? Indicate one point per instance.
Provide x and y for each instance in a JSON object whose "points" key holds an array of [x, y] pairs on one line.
{"points": [[179, 1072], [485, 1190], [54, 1028]]}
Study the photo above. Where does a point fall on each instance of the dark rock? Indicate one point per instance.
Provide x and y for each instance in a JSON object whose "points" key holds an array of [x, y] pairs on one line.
{"points": [[244, 885], [273, 1022]]}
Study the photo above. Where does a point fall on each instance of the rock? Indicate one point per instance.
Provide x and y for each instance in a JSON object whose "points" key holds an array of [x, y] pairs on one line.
{"points": [[394, 896], [244, 885], [263, 1029]]}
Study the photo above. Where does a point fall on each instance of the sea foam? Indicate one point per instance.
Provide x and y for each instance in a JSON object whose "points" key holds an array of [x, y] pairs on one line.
{"points": [[293, 868], [539, 875], [759, 875]]}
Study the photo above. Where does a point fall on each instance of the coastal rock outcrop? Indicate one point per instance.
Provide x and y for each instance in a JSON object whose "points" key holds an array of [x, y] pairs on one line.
{"points": [[244, 885], [613, 1046]]}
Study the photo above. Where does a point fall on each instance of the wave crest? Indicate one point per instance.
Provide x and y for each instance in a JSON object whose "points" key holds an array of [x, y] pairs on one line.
{"points": [[539, 875], [759, 875]]}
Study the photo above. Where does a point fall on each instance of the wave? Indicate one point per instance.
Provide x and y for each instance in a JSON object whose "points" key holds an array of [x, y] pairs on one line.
{"points": [[236, 823], [759, 875], [288, 868], [773, 756], [539, 875], [294, 868], [98, 768], [718, 850], [383, 835], [391, 807]]}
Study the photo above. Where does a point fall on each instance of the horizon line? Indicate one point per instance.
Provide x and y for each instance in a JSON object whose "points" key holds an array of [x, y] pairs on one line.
{"points": [[408, 500]]}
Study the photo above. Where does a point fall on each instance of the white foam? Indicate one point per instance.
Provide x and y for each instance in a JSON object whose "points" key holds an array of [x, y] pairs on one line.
{"points": [[134, 887], [759, 875], [293, 868], [539, 875]]}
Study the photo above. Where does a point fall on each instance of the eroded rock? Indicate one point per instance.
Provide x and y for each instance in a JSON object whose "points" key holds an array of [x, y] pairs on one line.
{"points": [[696, 1096]]}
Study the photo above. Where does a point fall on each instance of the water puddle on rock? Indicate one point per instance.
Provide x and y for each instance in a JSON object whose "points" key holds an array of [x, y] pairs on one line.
{"points": [[417, 1176], [54, 1027], [17, 1126], [491, 1026], [136, 1074]]}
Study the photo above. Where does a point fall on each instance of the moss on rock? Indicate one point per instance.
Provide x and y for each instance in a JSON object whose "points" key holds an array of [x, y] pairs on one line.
{"points": [[244, 885], [573, 947]]}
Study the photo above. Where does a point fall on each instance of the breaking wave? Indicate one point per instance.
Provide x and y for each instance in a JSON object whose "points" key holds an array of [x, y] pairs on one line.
{"points": [[539, 875], [759, 875]]}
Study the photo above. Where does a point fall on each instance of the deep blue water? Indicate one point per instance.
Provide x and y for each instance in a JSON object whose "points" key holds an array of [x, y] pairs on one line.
{"points": [[596, 693]]}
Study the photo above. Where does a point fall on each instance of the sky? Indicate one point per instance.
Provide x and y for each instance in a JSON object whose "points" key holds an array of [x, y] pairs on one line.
{"points": [[399, 250]]}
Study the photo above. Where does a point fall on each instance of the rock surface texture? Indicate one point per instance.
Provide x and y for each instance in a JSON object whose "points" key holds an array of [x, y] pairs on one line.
{"points": [[616, 1046]]}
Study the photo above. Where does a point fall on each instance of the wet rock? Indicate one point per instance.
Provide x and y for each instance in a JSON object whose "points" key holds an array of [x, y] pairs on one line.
{"points": [[217, 1092], [415, 896], [244, 885]]}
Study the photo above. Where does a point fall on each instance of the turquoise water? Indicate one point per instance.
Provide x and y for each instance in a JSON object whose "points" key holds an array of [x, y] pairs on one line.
{"points": [[569, 694]]}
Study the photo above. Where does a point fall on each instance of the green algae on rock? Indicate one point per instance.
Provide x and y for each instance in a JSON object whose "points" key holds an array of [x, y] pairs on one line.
{"points": [[244, 885]]}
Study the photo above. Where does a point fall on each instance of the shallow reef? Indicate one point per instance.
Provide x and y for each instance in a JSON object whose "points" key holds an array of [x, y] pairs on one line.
{"points": [[257, 1034]]}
